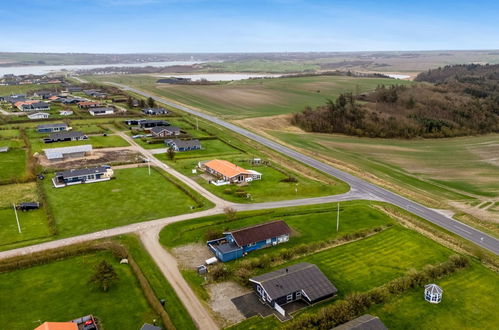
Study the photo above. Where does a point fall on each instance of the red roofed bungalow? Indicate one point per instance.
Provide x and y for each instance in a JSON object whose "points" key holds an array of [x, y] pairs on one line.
{"points": [[228, 172], [88, 104]]}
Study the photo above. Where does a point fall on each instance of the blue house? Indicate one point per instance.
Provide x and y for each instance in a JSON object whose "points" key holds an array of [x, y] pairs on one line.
{"points": [[236, 244]]}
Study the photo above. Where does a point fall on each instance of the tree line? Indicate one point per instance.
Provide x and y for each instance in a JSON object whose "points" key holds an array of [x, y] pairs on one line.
{"points": [[462, 100]]}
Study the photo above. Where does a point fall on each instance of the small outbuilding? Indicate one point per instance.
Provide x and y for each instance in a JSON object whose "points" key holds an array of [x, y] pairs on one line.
{"points": [[433, 293]]}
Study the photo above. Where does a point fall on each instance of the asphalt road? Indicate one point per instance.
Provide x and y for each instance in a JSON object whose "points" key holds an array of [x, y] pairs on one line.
{"points": [[484, 240]]}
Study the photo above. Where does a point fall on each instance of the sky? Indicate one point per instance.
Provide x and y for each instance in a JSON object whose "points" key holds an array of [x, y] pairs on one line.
{"points": [[175, 26]]}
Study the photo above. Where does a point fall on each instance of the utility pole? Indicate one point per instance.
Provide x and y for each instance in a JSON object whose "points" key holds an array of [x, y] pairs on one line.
{"points": [[17, 218], [338, 218]]}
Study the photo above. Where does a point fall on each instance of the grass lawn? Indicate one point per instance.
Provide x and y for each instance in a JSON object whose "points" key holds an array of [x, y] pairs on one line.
{"points": [[33, 227], [255, 97], [16, 193], [12, 164], [365, 264], [269, 188], [8, 133], [133, 196], [109, 141], [210, 148], [22, 89], [469, 301], [451, 168], [310, 223], [58, 291], [161, 287]]}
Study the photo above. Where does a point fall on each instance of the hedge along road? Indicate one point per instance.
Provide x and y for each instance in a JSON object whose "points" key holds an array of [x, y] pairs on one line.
{"points": [[357, 185]]}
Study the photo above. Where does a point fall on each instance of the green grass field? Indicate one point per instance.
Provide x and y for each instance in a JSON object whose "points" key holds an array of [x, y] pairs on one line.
{"points": [[33, 227], [161, 287], [456, 169], [469, 301], [133, 196], [22, 89], [58, 291], [311, 223], [269, 188], [109, 141], [255, 97], [12, 164]]}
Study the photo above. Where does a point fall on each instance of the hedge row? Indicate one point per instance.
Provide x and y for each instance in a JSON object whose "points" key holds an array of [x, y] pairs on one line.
{"points": [[356, 303]]}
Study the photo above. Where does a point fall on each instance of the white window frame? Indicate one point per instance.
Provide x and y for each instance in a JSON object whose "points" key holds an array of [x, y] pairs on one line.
{"points": [[298, 295], [289, 297]]}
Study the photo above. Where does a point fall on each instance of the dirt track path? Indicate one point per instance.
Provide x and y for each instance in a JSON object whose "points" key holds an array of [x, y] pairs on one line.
{"points": [[168, 266]]}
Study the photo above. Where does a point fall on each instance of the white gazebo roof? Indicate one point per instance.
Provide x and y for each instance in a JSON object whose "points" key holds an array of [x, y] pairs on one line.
{"points": [[433, 289]]}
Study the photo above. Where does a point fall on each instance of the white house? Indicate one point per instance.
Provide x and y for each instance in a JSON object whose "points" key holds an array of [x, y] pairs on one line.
{"points": [[38, 115]]}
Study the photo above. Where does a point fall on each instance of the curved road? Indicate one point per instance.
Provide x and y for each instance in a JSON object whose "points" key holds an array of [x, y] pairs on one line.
{"points": [[484, 240]]}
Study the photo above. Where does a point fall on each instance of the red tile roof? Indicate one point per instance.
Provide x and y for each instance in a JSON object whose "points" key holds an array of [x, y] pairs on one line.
{"points": [[260, 232], [58, 326], [225, 168]]}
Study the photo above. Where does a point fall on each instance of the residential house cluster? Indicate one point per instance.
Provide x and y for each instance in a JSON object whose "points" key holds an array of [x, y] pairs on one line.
{"points": [[27, 79]]}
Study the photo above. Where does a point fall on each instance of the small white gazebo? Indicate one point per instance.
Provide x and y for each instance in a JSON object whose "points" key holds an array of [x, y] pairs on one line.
{"points": [[433, 293]]}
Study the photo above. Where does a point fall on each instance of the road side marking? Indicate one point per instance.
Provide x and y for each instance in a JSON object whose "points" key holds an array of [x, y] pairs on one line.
{"points": [[461, 229]]}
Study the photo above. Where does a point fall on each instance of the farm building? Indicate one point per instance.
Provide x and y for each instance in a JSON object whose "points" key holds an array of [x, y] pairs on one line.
{"points": [[84, 175], [101, 111], [164, 131], [303, 281], [228, 173], [56, 154], [155, 111], [38, 115], [364, 322], [65, 136], [183, 145], [51, 128], [238, 243]]}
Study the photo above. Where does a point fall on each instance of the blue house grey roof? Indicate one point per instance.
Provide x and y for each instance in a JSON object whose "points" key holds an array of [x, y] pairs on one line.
{"points": [[304, 277]]}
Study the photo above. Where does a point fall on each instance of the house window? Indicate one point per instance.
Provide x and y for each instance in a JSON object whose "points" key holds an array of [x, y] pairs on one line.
{"points": [[269, 240], [298, 294], [259, 289], [289, 297], [251, 244]]}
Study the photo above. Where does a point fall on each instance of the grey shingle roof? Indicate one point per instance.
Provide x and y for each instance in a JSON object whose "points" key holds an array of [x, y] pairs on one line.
{"points": [[58, 125], [186, 144], [82, 171], [65, 135], [260, 232], [304, 277], [55, 153], [364, 322]]}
